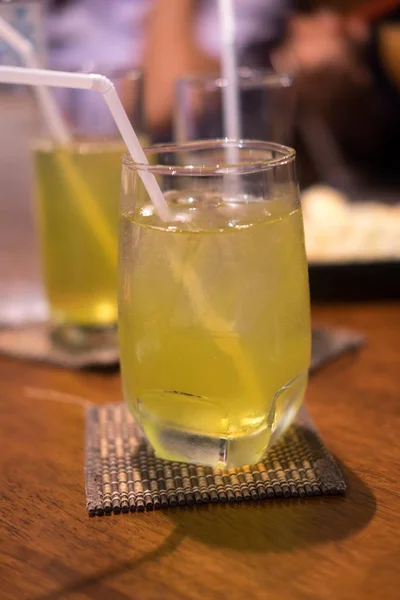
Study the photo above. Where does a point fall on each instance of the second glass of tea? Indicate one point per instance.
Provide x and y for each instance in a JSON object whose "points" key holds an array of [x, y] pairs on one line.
{"points": [[77, 189], [214, 317]]}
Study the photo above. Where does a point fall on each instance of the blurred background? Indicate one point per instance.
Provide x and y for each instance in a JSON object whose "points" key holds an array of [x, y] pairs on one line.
{"points": [[335, 98], [344, 55]]}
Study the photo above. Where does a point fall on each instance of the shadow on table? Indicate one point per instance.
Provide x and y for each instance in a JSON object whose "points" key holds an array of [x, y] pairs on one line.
{"points": [[263, 526], [100, 585], [280, 525]]}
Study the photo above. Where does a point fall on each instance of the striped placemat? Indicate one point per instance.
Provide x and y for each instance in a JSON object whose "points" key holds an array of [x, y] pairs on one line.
{"points": [[124, 475]]}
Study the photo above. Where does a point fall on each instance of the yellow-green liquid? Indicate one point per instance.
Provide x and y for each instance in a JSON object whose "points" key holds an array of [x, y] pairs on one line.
{"points": [[78, 196], [214, 327]]}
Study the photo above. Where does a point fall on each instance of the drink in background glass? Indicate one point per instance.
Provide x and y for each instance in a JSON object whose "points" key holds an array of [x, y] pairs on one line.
{"points": [[77, 191], [79, 243], [214, 319], [266, 106]]}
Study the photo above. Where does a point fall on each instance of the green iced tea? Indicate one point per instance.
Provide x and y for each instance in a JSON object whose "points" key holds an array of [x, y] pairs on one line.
{"points": [[78, 192], [214, 325]]}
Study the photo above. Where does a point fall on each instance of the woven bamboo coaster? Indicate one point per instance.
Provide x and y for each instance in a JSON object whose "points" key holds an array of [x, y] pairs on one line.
{"points": [[37, 342], [329, 343], [124, 475]]}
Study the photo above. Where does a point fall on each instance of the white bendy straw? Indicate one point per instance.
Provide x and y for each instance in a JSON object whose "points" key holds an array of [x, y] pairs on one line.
{"points": [[230, 91], [51, 113], [102, 85]]}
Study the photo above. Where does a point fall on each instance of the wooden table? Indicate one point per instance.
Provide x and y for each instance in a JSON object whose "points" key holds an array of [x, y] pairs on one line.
{"points": [[322, 549]]}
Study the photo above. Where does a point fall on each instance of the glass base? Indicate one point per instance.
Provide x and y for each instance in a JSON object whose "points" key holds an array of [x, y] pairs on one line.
{"points": [[85, 337], [173, 443], [224, 452]]}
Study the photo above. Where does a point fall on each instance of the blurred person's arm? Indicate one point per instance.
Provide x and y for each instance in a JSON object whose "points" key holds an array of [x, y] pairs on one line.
{"points": [[171, 51]]}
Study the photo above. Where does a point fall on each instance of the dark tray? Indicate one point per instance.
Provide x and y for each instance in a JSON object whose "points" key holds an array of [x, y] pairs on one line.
{"points": [[376, 280]]}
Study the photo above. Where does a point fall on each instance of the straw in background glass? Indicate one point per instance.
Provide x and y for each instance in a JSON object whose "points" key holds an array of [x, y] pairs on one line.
{"points": [[82, 195], [51, 115], [229, 73]]}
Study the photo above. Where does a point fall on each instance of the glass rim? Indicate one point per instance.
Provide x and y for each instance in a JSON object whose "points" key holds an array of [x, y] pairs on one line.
{"points": [[248, 77], [287, 156], [118, 75], [114, 74]]}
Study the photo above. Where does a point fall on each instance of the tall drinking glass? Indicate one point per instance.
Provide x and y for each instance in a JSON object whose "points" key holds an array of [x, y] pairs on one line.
{"points": [[77, 187], [214, 318], [267, 104]]}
